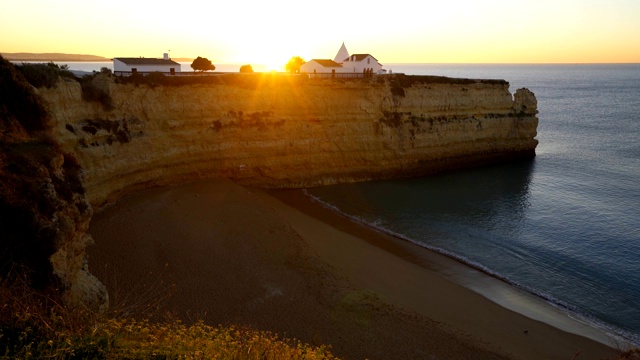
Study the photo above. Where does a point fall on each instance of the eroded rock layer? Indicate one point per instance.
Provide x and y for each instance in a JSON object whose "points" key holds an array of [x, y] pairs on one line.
{"points": [[44, 213], [276, 132]]}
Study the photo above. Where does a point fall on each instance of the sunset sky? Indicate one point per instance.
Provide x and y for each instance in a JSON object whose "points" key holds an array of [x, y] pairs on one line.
{"points": [[270, 32]]}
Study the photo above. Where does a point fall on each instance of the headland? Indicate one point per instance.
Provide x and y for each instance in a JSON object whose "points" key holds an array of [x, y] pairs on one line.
{"points": [[109, 137]]}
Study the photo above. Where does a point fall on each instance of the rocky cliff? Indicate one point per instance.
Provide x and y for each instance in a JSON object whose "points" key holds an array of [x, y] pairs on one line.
{"points": [[279, 131], [44, 213], [73, 146]]}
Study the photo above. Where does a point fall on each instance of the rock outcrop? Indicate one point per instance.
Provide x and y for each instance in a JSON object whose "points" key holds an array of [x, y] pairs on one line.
{"points": [[271, 131], [86, 145], [44, 213]]}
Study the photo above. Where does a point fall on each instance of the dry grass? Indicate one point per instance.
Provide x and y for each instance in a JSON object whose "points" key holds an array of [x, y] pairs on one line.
{"points": [[35, 326]]}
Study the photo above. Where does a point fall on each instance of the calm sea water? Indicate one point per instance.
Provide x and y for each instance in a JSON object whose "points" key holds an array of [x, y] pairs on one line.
{"points": [[564, 226]]}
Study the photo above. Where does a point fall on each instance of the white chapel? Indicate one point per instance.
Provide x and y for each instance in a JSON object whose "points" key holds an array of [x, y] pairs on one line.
{"points": [[343, 63]]}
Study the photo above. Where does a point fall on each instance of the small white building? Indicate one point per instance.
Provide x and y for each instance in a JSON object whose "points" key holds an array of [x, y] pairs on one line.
{"points": [[343, 63], [320, 66], [357, 63], [129, 66]]}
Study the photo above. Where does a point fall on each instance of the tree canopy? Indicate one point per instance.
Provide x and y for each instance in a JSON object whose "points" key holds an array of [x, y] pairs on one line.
{"points": [[246, 69], [202, 64], [294, 64]]}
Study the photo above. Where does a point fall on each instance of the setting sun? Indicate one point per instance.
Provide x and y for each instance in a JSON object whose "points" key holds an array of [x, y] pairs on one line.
{"points": [[492, 31]]}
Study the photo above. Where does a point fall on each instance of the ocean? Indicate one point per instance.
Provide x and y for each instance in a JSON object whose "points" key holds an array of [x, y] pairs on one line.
{"points": [[564, 226]]}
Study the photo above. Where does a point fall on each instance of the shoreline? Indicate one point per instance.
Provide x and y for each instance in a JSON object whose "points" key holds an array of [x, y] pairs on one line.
{"points": [[482, 281], [489, 287], [273, 260]]}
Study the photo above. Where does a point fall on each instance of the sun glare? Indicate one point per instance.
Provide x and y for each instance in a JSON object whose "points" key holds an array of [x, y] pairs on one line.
{"points": [[264, 60], [274, 66]]}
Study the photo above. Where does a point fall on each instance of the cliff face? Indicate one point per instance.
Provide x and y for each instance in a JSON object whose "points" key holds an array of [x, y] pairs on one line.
{"points": [[44, 213], [272, 132], [61, 156]]}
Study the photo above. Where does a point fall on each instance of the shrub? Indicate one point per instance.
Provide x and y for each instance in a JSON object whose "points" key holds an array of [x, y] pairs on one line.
{"points": [[155, 78], [45, 75], [92, 92], [32, 326], [246, 69], [202, 64], [18, 102]]}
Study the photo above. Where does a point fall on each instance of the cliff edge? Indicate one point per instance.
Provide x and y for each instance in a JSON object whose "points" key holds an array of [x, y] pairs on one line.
{"points": [[44, 213], [69, 148], [284, 132]]}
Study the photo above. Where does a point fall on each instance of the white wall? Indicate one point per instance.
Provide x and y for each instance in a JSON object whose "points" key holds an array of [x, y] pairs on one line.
{"points": [[160, 68], [311, 65], [368, 62], [359, 66], [120, 66]]}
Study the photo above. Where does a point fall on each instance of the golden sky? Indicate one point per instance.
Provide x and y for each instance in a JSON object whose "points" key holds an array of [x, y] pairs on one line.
{"points": [[270, 32]]}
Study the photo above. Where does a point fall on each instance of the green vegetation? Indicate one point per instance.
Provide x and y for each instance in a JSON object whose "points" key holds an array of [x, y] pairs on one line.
{"points": [[246, 69], [48, 75], [293, 66], [92, 91], [106, 71], [202, 64], [19, 105], [45, 75], [33, 326]]}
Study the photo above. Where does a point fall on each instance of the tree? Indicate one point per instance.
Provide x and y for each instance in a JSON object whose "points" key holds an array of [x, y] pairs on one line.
{"points": [[246, 69], [294, 64], [202, 64]]}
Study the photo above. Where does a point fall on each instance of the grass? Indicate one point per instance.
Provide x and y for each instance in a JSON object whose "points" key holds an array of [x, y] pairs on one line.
{"points": [[131, 339], [34, 326]]}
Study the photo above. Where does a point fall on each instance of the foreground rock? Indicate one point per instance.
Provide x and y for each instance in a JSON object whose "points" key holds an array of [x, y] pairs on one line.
{"points": [[44, 213]]}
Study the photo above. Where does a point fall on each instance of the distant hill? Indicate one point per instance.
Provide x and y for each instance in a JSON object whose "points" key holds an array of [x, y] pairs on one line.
{"points": [[52, 57]]}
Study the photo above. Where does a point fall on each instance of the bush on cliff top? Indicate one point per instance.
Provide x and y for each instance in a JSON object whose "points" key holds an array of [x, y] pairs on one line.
{"points": [[48, 75], [29, 194], [92, 92], [19, 105], [45, 75]]}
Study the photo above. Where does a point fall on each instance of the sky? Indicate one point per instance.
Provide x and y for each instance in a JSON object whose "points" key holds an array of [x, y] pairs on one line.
{"points": [[271, 32]]}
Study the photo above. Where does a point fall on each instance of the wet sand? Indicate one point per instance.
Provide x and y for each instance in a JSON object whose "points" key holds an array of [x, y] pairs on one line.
{"points": [[274, 260]]}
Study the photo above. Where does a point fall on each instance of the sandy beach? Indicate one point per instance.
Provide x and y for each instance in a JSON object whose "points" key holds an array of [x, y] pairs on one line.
{"points": [[274, 260]]}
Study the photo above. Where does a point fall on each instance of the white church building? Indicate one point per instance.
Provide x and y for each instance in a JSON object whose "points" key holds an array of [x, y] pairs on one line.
{"points": [[130, 66], [343, 64]]}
